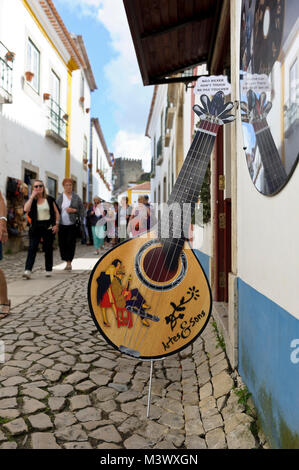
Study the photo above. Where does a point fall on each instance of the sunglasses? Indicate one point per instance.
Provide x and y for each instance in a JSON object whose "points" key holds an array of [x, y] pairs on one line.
{"points": [[38, 186]]}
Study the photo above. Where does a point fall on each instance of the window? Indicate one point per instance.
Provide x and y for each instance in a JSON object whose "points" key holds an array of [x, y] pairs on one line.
{"points": [[29, 177], [52, 187], [97, 160], [55, 87], [33, 64], [82, 90], [85, 144]]}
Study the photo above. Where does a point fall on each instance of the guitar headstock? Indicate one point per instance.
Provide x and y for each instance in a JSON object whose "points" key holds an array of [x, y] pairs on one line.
{"points": [[255, 109], [214, 110]]}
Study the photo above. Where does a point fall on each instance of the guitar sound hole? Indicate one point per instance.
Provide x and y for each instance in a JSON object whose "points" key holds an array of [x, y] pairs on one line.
{"points": [[155, 267]]}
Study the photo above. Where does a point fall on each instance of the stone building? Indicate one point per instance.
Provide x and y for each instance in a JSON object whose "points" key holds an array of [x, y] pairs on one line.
{"points": [[125, 171]]}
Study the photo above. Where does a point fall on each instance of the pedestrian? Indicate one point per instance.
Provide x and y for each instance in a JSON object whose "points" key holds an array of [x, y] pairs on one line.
{"points": [[4, 301], [151, 217], [44, 219], [101, 228], [125, 212], [84, 223], [88, 224], [138, 219], [111, 225], [71, 208], [95, 215], [115, 239]]}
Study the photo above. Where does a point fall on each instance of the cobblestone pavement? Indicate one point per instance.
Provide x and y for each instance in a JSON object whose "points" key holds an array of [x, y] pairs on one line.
{"points": [[63, 386]]}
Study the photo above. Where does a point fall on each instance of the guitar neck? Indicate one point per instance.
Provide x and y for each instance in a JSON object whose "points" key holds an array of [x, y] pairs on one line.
{"points": [[275, 173], [185, 193]]}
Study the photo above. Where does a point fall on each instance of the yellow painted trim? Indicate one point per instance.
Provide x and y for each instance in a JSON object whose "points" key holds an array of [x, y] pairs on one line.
{"points": [[71, 65], [129, 196], [68, 110]]}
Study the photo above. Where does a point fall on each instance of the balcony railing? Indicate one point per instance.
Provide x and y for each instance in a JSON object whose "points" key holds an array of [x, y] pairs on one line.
{"points": [[57, 124], [291, 118], [6, 71]]}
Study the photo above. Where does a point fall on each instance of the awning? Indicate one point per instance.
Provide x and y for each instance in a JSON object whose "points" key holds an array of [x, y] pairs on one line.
{"points": [[171, 36]]}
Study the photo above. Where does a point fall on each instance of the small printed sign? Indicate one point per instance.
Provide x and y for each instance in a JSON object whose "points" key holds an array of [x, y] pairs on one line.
{"points": [[255, 82], [210, 85]]}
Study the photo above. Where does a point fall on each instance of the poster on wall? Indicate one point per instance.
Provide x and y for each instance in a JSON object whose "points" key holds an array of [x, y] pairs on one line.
{"points": [[269, 90]]}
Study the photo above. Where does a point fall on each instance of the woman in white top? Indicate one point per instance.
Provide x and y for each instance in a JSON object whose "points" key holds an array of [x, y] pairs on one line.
{"points": [[71, 208], [43, 215]]}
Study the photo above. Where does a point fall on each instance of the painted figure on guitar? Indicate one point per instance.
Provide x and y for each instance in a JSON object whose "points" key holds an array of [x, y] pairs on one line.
{"points": [[149, 296]]}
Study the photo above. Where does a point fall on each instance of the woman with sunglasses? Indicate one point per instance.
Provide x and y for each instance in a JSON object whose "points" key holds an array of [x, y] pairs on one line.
{"points": [[44, 215]]}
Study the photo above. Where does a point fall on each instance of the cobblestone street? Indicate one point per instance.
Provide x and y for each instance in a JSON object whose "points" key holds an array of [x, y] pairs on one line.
{"points": [[63, 386]]}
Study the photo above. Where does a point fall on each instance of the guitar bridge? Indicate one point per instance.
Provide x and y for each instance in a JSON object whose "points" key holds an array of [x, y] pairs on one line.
{"points": [[142, 313]]}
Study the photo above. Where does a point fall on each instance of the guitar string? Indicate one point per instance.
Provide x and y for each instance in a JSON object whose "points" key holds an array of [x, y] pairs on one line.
{"points": [[272, 166], [266, 144], [157, 261], [141, 284], [201, 167], [193, 162], [275, 162], [180, 183]]}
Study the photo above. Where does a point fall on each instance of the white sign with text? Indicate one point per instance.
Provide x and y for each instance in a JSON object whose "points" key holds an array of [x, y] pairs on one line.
{"points": [[255, 82], [210, 85]]}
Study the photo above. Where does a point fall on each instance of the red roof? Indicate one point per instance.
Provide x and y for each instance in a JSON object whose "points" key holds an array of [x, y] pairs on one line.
{"points": [[146, 186]]}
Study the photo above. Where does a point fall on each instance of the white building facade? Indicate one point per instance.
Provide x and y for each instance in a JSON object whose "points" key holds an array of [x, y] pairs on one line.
{"points": [[100, 164], [45, 99]]}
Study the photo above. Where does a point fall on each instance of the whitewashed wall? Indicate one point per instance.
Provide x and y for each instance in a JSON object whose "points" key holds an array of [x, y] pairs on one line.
{"points": [[267, 235], [24, 122], [79, 127], [98, 186]]}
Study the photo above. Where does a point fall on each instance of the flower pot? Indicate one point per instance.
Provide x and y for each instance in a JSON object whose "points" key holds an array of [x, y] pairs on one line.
{"points": [[9, 56], [87, 110], [29, 76], [46, 96], [65, 117]]}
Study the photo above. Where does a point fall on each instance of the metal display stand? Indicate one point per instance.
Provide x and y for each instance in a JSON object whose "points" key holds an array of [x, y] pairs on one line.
{"points": [[150, 387]]}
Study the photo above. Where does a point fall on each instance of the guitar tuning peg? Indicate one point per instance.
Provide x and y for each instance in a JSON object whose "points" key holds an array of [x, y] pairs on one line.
{"points": [[251, 99], [206, 102], [199, 111], [267, 108], [244, 107], [229, 119], [262, 99]]}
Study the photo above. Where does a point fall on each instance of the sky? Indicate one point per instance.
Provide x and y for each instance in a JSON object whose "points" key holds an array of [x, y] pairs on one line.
{"points": [[121, 102]]}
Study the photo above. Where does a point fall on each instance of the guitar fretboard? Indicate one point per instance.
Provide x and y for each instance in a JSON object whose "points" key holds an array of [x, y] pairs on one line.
{"points": [[187, 188], [275, 173]]}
